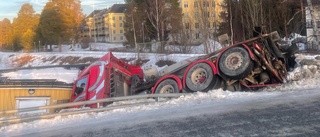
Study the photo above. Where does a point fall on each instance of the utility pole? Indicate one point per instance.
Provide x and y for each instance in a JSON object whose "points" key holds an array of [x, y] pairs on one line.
{"points": [[134, 34], [94, 25], [142, 35]]}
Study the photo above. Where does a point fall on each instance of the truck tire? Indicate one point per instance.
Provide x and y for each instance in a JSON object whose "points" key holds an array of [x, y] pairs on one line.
{"points": [[234, 87], [167, 86], [235, 63], [218, 84], [200, 78]]}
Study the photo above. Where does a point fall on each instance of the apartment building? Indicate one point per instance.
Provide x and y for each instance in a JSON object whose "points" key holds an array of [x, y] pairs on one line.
{"points": [[106, 25], [309, 20], [200, 18], [312, 34]]}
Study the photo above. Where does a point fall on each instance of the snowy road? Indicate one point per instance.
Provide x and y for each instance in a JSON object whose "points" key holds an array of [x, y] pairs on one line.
{"points": [[289, 113]]}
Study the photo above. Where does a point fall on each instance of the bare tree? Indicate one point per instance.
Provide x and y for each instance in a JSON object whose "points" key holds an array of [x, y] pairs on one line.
{"points": [[185, 37]]}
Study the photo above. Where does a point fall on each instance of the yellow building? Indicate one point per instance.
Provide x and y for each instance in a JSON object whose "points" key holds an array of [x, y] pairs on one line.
{"points": [[106, 25], [18, 97], [114, 23], [200, 19]]}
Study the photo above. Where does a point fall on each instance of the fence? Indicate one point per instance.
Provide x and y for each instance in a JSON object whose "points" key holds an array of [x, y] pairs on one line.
{"points": [[10, 118]]}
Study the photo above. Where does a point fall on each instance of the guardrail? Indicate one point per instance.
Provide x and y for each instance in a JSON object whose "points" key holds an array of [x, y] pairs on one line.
{"points": [[16, 119]]}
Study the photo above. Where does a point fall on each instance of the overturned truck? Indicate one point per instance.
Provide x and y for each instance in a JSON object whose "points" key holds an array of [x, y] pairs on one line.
{"points": [[249, 65]]}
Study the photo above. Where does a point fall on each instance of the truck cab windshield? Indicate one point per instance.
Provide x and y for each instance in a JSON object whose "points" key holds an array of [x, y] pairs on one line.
{"points": [[81, 85]]}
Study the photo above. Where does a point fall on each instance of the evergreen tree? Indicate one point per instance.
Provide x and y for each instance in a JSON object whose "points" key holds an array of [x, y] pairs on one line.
{"points": [[27, 20], [59, 22], [5, 33]]}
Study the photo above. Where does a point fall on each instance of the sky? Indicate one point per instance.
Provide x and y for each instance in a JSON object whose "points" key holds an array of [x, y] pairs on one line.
{"points": [[10, 8]]}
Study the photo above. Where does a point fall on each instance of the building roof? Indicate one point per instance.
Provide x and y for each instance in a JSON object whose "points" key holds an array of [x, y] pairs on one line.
{"points": [[117, 8], [93, 13]]}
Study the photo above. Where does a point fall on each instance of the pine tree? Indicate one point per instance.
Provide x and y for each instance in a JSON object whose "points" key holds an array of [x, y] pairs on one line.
{"points": [[5, 33], [27, 20]]}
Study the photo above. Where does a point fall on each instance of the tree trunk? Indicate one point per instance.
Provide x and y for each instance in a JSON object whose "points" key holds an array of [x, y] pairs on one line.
{"points": [[59, 45], [231, 24]]}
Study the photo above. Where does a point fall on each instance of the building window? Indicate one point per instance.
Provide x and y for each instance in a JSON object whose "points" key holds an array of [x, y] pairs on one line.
{"points": [[196, 4], [114, 38], [208, 25], [197, 35], [121, 31], [114, 31], [196, 14], [121, 37], [187, 26], [206, 14], [120, 18], [309, 24], [213, 4], [196, 25], [113, 18], [25, 102], [121, 25], [185, 4], [205, 4], [186, 15], [213, 14], [114, 25]]}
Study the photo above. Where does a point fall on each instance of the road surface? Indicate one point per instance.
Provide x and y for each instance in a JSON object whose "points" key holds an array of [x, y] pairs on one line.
{"points": [[290, 113]]}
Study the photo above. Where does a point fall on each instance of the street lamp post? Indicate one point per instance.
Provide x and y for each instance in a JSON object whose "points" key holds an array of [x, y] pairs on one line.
{"points": [[39, 46], [143, 34]]}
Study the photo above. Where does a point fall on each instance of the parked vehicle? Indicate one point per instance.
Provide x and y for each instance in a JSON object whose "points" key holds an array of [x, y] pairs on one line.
{"points": [[249, 65]]}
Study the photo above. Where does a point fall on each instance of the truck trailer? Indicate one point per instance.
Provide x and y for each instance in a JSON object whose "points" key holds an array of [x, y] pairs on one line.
{"points": [[248, 65]]}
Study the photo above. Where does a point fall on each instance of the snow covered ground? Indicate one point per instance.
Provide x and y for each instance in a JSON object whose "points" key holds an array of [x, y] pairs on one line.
{"points": [[302, 78], [9, 61]]}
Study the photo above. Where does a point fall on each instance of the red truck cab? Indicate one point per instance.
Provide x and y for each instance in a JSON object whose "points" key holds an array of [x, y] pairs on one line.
{"points": [[107, 77]]}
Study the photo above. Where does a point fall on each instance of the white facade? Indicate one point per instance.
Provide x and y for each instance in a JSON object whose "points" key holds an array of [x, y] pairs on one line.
{"points": [[309, 21]]}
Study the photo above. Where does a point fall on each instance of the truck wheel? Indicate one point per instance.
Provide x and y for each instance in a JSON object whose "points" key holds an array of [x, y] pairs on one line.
{"points": [[235, 63], [234, 87], [200, 78], [167, 86], [218, 83]]}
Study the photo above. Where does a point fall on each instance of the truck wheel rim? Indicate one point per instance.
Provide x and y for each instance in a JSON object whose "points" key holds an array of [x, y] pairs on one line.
{"points": [[199, 76], [167, 89], [234, 61]]}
